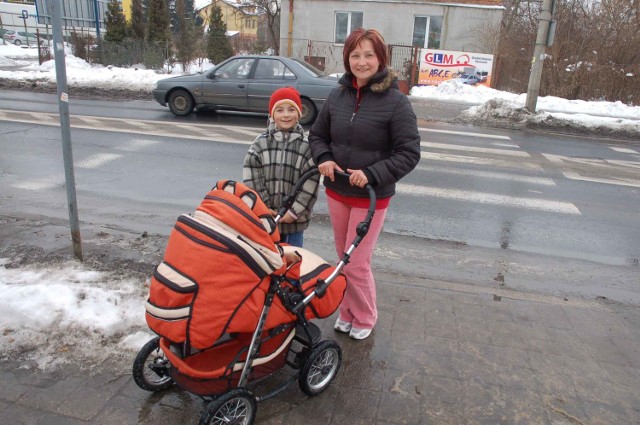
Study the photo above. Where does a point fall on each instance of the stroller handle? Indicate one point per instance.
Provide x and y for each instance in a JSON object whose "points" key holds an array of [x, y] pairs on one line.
{"points": [[297, 188], [361, 232], [362, 228]]}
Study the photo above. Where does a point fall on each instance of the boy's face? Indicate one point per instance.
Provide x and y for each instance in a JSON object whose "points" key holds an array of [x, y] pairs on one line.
{"points": [[285, 116]]}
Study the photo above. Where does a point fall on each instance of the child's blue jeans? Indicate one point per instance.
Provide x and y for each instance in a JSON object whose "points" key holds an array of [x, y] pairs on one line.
{"points": [[294, 239]]}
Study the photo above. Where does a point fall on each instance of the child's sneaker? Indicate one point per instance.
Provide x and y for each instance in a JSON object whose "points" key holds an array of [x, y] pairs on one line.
{"points": [[342, 326], [359, 333]]}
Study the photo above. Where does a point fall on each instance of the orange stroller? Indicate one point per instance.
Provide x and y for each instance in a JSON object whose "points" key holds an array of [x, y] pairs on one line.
{"points": [[231, 305]]}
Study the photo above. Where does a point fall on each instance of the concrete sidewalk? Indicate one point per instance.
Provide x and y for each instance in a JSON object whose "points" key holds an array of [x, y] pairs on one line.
{"points": [[442, 353]]}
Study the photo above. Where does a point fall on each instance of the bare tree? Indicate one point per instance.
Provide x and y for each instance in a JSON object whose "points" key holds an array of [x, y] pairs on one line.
{"points": [[594, 54], [271, 11]]}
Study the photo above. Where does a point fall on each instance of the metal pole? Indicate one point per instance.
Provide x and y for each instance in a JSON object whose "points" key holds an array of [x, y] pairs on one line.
{"points": [[538, 56], [1, 27], [24, 21], [55, 10], [290, 30], [97, 12]]}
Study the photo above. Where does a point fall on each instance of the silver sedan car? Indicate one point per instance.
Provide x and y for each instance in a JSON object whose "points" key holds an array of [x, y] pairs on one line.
{"points": [[245, 83]]}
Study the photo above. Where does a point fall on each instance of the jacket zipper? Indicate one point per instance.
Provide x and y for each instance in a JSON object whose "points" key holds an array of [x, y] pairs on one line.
{"points": [[355, 111]]}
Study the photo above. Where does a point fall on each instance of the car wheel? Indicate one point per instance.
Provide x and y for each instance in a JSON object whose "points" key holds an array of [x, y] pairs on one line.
{"points": [[17, 42], [180, 102], [309, 112]]}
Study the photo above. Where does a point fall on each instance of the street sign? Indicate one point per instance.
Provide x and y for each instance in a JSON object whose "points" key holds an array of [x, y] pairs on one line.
{"points": [[25, 14]]}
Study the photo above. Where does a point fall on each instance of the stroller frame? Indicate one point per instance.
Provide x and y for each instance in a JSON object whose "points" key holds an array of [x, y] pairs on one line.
{"points": [[152, 368]]}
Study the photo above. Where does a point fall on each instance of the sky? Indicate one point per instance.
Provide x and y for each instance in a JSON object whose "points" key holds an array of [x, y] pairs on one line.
{"points": [[64, 312]]}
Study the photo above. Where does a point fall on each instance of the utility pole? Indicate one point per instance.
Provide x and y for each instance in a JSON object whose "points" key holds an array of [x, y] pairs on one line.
{"points": [[290, 30], [537, 63], [55, 9]]}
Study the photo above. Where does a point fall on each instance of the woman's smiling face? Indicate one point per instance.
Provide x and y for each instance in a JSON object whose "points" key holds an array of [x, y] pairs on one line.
{"points": [[363, 62]]}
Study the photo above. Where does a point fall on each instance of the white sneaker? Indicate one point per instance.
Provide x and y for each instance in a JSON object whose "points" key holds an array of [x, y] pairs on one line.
{"points": [[359, 333], [342, 326]]}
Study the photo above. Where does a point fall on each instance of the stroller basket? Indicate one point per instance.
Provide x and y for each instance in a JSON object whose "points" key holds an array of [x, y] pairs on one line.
{"points": [[218, 369]]}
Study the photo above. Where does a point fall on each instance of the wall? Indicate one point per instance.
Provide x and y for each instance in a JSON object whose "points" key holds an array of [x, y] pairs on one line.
{"points": [[314, 19], [234, 18]]}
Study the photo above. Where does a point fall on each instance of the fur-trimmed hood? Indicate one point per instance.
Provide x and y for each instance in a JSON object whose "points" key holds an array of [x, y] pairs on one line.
{"points": [[380, 82]]}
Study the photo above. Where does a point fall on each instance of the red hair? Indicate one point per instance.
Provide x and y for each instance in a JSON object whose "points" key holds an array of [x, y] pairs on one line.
{"points": [[356, 37]]}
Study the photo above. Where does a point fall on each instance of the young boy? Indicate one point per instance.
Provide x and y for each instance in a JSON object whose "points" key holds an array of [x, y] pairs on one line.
{"points": [[276, 161]]}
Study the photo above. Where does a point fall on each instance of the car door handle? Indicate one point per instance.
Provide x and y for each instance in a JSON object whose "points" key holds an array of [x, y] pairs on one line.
{"points": [[241, 86]]}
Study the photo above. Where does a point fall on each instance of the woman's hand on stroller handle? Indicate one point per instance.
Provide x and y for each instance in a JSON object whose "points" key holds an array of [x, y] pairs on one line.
{"points": [[329, 169]]}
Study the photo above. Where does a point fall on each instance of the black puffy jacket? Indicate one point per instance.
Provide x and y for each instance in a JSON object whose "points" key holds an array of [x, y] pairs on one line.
{"points": [[380, 136]]}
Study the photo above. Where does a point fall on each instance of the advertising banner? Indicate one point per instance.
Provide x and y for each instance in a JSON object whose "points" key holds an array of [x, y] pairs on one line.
{"points": [[437, 66]]}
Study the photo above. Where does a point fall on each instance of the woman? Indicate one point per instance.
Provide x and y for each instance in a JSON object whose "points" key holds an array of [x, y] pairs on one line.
{"points": [[368, 129]]}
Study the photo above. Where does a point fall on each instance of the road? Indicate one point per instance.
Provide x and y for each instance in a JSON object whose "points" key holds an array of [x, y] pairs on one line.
{"points": [[492, 207]]}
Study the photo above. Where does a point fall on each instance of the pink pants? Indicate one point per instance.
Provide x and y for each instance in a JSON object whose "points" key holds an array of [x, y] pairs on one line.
{"points": [[359, 304]]}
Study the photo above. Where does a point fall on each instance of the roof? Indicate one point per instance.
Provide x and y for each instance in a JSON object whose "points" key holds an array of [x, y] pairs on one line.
{"points": [[237, 4]]}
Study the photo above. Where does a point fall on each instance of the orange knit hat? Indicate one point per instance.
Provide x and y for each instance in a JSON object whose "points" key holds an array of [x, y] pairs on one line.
{"points": [[285, 95]]}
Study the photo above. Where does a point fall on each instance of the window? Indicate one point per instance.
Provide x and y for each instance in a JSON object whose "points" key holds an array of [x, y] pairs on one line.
{"points": [[423, 25], [345, 23], [235, 69], [272, 69]]}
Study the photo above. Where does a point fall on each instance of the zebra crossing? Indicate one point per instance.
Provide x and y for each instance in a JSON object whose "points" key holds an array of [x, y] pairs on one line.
{"points": [[492, 158], [496, 158], [195, 131]]}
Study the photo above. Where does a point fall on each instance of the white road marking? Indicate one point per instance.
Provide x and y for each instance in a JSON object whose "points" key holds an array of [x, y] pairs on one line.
{"points": [[104, 125], [45, 183], [506, 152], [138, 144], [141, 125], [542, 181], [559, 159], [505, 145], [623, 150], [464, 133], [632, 164], [433, 156], [253, 133], [490, 199], [89, 120], [97, 160], [619, 182]]}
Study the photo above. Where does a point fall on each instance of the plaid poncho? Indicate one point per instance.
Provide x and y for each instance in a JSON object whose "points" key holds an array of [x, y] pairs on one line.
{"points": [[273, 165]]}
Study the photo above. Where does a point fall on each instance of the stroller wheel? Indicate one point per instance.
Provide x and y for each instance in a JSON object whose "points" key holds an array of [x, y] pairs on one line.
{"points": [[151, 367], [236, 407], [320, 368]]}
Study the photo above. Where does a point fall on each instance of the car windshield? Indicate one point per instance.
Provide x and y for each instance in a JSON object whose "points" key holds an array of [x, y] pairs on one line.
{"points": [[308, 68]]}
